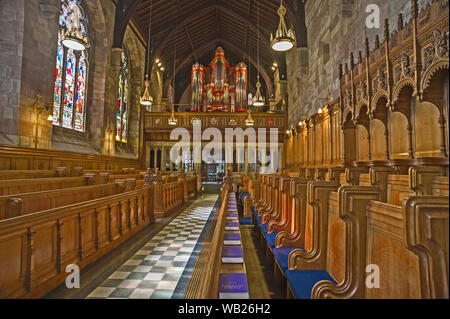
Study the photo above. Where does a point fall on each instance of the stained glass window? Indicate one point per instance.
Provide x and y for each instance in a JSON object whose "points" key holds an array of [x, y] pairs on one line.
{"points": [[122, 101], [69, 101]]}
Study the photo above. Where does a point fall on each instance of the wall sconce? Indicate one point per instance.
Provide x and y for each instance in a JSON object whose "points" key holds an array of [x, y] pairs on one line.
{"points": [[38, 109], [110, 133]]}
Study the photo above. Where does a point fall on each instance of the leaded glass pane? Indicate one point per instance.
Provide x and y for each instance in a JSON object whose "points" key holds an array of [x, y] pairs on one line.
{"points": [[81, 93], [69, 89], [58, 83]]}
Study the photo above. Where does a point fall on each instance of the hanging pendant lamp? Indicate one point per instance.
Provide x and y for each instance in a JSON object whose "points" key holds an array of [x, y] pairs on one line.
{"points": [[249, 121], [173, 120], [147, 99], [284, 38], [258, 100]]}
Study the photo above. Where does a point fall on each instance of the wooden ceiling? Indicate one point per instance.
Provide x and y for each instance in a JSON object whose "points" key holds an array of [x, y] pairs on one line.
{"points": [[194, 28]]}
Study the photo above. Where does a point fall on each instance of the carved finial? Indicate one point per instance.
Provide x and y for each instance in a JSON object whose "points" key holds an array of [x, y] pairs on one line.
{"points": [[366, 46], [346, 68], [377, 42], [414, 8], [352, 60], [386, 29], [400, 22], [340, 71], [359, 57]]}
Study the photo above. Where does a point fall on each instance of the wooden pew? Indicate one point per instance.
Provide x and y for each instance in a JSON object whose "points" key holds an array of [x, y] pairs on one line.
{"points": [[24, 204], [409, 245], [335, 266], [340, 253], [35, 249], [20, 186], [28, 174]]}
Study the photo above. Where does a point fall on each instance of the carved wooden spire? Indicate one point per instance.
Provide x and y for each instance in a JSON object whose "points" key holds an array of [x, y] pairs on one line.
{"points": [[386, 30], [400, 21], [414, 9], [366, 47], [377, 42]]}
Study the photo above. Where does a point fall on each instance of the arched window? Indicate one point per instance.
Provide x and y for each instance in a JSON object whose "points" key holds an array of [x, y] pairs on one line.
{"points": [[69, 101], [122, 100]]}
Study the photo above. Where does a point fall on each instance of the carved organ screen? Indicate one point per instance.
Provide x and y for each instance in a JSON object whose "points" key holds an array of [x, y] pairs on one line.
{"points": [[219, 86]]}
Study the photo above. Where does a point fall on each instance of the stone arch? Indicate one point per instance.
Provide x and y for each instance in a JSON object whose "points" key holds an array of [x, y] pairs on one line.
{"points": [[98, 57]]}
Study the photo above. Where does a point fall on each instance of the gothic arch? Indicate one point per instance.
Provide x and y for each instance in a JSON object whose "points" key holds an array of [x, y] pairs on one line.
{"points": [[399, 87], [379, 95], [430, 73]]}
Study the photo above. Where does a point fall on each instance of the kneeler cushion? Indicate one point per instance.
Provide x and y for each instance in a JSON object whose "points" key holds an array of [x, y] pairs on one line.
{"points": [[270, 238], [264, 227], [302, 281], [282, 257]]}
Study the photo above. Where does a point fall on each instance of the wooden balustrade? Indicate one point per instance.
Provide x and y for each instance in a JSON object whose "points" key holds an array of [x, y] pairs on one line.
{"points": [[35, 249]]}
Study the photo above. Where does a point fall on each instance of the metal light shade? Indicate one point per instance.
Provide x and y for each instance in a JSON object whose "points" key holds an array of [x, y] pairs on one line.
{"points": [[249, 121], [258, 100], [147, 99], [284, 38], [74, 39]]}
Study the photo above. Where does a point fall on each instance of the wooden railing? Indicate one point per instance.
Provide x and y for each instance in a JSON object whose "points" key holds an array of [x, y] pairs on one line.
{"points": [[36, 249], [172, 196], [210, 275], [14, 158]]}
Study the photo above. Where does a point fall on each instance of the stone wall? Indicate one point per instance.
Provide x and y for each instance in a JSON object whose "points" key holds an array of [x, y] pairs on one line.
{"points": [[28, 44], [335, 29], [11, 51]]}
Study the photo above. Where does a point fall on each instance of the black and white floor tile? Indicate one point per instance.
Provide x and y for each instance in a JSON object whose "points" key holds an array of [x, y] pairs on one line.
{"points": [[162, 268]]}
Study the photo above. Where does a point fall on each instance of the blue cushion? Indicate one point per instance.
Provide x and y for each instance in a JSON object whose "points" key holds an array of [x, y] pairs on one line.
{"points": [[282, 257], [270, 238], [263, 227], [302, 281], [245, 221]]}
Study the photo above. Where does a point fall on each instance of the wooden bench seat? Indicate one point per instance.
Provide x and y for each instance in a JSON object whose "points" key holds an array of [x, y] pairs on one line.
{"points": [[23, 204], [28, 174], [20, 186]]}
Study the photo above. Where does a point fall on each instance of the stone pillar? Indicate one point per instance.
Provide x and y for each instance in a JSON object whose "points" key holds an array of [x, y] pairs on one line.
{"points": [[163, 159], [155, 157], [246, 161], [110, 123], [280, 158]]}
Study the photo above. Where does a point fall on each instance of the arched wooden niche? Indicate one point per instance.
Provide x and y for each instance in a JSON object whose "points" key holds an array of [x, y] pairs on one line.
{"points": [[349, 138], [400, 124], [434, 98], [378, 130], [363, 137]]}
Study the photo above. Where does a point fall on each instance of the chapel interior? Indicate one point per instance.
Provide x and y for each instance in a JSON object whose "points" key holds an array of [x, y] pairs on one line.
{"points": [[328, 178]]}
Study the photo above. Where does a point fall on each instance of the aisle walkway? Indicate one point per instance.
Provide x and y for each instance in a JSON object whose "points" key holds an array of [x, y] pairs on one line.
{"points": [[162, 268]]}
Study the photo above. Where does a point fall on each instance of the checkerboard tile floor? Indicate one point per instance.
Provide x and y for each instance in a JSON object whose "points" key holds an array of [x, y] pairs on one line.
{"points": [[157, 268]]}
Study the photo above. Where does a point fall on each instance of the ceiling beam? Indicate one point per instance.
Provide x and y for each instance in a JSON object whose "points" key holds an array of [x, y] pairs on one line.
{"points": [[199, 14], [125, 9]]}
